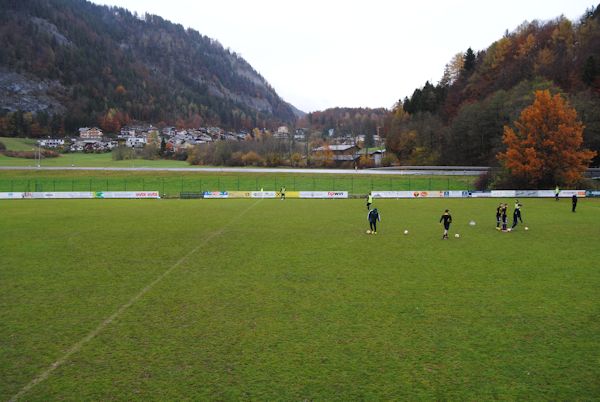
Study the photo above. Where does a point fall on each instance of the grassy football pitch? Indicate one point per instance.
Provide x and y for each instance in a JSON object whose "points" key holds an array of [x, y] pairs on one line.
{"points": [[291, 300]]}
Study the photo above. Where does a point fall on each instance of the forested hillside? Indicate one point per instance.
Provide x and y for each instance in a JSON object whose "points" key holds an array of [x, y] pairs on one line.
{"points": [[460, 120], [73, 63], [346, 121]]}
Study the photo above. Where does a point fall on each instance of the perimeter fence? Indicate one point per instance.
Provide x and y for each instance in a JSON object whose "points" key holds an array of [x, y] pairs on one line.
{"points": [[173, 186]]}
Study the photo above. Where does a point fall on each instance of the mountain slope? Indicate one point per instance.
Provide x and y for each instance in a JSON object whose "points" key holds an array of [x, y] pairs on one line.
{"points": [[94, 61]]}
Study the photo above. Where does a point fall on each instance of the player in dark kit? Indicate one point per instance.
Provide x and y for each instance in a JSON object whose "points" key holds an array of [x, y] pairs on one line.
{"points": [[517, 214], [447, 218], [504, 216], [574, 202], [498, 216], [373, 216]]}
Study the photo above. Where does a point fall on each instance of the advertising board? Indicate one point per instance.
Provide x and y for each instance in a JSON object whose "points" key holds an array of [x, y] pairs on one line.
{"points": [[323, 194], [215, 194]]}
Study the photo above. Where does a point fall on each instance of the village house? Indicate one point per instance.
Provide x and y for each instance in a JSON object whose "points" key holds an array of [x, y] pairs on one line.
{"points": [[339, 153], [135, 142], [375, 155], [90, 134], [51, 142], [282, 133]]}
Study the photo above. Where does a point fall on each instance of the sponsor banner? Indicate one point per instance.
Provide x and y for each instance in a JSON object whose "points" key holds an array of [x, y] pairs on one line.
{"points": [[240, 194], [215, 194], [420, 194], [11, 196], [526, 193], [263, 194], [592, 193], [481, 194], [323, 194], [536, 193], [570, 193], [58, 195], [504, 193], [455, 194], [292, 194], [392, 194], [81, 195], [126, 194]]}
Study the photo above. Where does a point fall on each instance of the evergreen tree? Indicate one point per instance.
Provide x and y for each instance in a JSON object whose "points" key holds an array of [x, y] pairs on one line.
{"points": [[469, 63], [590, 71]]}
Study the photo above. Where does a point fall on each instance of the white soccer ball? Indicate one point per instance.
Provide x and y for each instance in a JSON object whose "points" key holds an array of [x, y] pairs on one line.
{"points": [[368, 232], [406, 231], [526, 228], [457, 235], [509, 230], [472, 223]]}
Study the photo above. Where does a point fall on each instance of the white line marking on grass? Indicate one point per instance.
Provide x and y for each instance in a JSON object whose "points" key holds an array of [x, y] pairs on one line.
{"points": [[77, 347]]}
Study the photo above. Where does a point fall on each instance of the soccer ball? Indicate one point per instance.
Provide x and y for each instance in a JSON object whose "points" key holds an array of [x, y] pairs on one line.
{"points": [[526, 228], [457, 235], [472, 223], [406, 232], [368, 232], [509, 230]]}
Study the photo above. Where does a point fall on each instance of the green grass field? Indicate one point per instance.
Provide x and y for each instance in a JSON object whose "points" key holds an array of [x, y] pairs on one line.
{"points": [[291, 300], [78, 159], [171, 184]]}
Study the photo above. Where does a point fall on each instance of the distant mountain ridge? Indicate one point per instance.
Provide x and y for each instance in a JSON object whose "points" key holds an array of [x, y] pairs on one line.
{"points": [[90, 62]]}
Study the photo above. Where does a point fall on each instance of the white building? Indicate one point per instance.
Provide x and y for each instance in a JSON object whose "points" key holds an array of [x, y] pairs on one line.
{"points": [[51, 142]]}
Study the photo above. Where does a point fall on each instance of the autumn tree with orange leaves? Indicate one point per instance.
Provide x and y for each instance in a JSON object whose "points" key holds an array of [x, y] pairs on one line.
{"points": [[545, 148]]}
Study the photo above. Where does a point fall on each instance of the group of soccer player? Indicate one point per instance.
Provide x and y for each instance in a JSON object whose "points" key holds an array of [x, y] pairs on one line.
{"points": [[373, 217], [502, 216]]}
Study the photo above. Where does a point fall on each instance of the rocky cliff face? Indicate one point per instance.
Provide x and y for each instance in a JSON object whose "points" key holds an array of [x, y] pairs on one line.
{"points": [[75, 57], [18, 92]]}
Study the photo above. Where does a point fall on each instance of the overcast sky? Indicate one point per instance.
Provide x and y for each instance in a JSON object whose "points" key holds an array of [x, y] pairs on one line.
{"points": [[319, 54]]}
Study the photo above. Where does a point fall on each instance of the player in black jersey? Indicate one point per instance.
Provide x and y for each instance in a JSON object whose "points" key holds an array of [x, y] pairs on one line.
{"points": [[447, 218], [504, 217], [498, 216], [517, 214], [373, 216]]}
